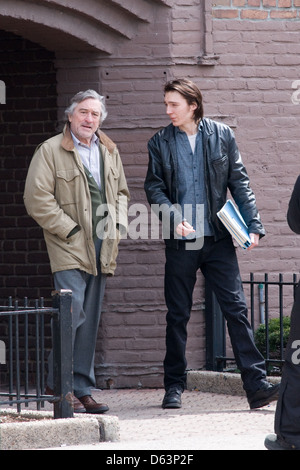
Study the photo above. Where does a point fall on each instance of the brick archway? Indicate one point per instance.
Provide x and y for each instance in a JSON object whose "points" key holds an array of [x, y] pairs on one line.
{"points": [[93, 26]]}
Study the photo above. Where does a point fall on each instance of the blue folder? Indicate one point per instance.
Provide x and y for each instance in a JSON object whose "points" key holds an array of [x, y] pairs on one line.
{"points": [[235, 224]]}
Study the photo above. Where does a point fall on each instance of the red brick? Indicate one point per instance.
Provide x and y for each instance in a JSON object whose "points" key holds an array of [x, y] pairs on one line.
{"points": [[226, 14], [283, 15], [269, 3], [254, 14], [253, 3], [284, 3], [222, 3]]}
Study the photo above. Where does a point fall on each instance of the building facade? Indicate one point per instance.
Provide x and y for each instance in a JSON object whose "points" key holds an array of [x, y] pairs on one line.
{"points": [[243, 54]]}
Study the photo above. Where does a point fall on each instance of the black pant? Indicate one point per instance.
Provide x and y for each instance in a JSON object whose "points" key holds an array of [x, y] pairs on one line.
{"points": [[287, 419], [218, 263]]}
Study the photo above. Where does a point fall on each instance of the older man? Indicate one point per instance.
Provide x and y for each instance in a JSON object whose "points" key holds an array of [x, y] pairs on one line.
{"points": [[76, 191]]}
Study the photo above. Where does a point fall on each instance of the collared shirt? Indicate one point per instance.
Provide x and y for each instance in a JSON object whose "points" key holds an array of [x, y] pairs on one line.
{"points": [[90, 157], [191, 191]]}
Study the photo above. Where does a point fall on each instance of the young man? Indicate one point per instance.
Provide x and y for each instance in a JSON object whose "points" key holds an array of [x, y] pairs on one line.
{"points": [[192, 164], [72, 179]]}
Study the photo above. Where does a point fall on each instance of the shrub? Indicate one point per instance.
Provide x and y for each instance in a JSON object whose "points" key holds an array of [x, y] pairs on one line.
{"points": [[274, 337]]}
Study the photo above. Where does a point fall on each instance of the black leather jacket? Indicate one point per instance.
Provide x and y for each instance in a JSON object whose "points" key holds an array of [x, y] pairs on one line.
{"points": [[224, 170], [293, 215]]}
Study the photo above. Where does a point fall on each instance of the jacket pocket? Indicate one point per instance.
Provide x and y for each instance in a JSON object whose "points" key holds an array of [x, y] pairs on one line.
{"points": [[220, 161], [113, 179], [220, 168], [66, 184]]}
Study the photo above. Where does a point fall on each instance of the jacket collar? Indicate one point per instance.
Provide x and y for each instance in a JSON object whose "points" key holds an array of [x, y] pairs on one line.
{"points": [[68, 144], [205, 125]]}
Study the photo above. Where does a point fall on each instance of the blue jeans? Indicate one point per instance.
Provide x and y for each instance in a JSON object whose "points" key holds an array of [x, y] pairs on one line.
{"points": [[87, 298], [219, 265]]}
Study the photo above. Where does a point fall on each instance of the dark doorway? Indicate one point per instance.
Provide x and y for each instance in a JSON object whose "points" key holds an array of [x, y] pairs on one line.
{"points": [[28, 117]]}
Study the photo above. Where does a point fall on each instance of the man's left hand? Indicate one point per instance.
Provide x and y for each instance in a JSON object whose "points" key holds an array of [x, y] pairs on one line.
{"points": [[254, 237]]}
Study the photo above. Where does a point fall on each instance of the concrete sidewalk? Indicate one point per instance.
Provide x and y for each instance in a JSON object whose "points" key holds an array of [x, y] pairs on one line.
{"points": [[206, 421], [215, 416]]}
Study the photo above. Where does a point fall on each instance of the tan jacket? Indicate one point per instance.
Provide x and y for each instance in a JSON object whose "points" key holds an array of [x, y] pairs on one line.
{"points": [[57, 196]]}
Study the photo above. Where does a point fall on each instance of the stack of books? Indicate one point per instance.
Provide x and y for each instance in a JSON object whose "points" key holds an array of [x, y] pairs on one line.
{"points": [[235, 224]]}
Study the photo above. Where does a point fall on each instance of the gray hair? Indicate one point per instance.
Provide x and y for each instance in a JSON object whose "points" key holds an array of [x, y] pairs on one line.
{"points": [[84, 95]]}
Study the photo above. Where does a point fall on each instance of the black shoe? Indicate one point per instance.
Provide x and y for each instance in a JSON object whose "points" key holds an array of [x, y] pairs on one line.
{"points": [[273, 442], [263, 396], [172, 398]]}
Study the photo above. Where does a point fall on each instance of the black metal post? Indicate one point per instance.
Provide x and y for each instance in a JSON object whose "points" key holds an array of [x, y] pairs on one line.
{"points": [[215, 332], [63, 354]]}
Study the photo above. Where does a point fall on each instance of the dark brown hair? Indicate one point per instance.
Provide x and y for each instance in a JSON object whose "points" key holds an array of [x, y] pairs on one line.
{"points": [[190, 92]]}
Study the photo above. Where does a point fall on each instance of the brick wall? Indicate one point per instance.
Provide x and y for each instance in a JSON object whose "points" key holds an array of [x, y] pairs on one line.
{"points": [[256, 9], [250, 87], [28, 117], [253, 86], [247, 82]]}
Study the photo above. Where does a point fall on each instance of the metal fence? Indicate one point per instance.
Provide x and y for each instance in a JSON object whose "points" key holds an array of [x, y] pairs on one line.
{"points": [[268, 298], [22, 353]]}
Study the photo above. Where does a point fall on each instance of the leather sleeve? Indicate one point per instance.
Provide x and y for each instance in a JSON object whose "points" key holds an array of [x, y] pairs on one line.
{"points": [[239, 185], [158, 186]]}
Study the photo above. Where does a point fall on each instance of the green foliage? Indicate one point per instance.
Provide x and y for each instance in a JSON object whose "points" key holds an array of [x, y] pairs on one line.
{"points": [[274, 336]]}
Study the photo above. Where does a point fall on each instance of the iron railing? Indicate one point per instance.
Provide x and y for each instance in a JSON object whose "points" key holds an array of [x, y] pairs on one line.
{"points": [[272, 299], [22, 353]]}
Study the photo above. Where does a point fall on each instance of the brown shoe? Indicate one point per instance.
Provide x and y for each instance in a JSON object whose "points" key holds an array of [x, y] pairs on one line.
{"points": [[77, 406], [91, 406]]}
